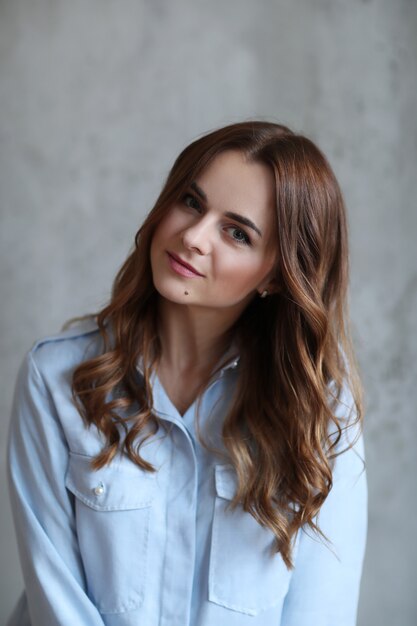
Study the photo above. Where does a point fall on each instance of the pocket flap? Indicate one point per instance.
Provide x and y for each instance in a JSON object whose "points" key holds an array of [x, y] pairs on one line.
{"points": [[115, 487], [226, 481]]}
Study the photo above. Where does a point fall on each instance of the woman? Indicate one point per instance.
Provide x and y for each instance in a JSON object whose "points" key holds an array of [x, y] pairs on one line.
{"points": [[192, 454]]}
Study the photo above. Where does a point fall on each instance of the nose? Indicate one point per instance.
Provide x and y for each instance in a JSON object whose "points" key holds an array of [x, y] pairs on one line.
{"points": [[197, 237]]}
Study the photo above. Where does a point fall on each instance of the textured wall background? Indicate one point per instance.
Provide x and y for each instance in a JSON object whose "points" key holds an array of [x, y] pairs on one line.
{"points": [[96, 100]]}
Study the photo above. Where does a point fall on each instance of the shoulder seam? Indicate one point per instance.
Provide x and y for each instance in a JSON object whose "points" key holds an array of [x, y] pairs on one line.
{"points": [[32, 364], [63, 335]]}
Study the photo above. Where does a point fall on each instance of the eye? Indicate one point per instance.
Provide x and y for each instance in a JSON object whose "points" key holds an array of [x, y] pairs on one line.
{"points": [[239, 235], [191, 201]]}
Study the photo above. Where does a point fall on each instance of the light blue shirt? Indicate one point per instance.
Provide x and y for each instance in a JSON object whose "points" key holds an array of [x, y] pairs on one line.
{"points": [[124, 547]]}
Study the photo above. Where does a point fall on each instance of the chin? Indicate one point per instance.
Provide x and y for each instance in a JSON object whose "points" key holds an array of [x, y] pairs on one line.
{"points": [[171, 292]]}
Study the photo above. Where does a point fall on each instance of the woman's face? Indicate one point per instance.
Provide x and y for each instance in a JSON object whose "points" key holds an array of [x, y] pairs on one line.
{"points": [[228, 236]]}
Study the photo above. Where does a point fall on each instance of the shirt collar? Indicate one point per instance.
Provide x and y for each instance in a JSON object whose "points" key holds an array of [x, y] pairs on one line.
{"points": [[230, 359]]}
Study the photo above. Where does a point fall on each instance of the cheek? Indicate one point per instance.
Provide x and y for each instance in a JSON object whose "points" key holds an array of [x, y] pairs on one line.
{"points": [[161, 231], [172, 225], [240, 272]]}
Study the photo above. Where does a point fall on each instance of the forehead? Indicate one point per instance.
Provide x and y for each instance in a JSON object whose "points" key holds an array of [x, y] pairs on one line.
{"points": [[232, 183]]}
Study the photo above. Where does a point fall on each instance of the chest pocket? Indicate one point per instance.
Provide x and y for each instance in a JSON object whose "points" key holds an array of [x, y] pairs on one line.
{"points": [[244, 576], [113, 507]]}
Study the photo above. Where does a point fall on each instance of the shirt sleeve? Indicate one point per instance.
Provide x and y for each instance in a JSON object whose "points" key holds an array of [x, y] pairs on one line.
{"points": [[324, 588], [42, 508]]}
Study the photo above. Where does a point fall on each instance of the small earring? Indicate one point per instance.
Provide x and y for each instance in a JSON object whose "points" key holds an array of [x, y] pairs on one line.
{"points": [[264, 293]]}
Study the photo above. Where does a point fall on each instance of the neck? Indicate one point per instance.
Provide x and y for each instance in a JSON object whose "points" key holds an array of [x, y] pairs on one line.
{"points": [[193, 339]]}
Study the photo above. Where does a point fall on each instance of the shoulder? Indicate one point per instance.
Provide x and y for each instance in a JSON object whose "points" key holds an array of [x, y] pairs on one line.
{"points": [[43, 407], [59, 353]]}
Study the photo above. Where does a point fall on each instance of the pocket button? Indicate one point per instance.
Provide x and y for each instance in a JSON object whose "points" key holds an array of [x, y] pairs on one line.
{"points": [[99, 490]]}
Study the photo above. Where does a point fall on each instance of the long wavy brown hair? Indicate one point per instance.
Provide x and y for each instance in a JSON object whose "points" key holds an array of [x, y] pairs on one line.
{"points": [[281, 432]]}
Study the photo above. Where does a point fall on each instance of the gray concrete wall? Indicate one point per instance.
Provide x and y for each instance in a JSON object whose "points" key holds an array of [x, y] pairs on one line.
{"points": [[98, 97]]}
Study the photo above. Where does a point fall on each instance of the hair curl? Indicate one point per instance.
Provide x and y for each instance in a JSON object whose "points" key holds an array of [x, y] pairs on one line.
{"points": [[296, 354]]}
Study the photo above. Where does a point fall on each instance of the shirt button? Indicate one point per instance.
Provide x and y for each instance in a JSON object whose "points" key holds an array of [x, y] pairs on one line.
{"points": [[99, 490]]}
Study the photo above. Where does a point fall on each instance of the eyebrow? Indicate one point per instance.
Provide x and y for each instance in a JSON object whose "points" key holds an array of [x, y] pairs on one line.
{"points": [[234, 216]]}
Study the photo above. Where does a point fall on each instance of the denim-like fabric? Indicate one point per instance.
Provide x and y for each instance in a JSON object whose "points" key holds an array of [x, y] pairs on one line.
{"points": [[124, 547]]}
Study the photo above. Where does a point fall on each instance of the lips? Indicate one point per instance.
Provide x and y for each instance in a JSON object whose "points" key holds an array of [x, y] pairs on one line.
{"points": [[183, 264]]}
